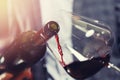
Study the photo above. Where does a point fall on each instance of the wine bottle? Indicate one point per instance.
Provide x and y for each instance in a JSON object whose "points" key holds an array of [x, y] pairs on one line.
{"points": [[27, 48], [84, 69]]}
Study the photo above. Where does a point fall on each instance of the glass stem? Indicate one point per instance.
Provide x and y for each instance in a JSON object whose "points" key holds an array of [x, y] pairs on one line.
{"points": [[114, 67]]}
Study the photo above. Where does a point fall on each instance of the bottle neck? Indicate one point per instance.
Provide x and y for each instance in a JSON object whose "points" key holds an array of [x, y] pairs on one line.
{"points": [[45, 33]]}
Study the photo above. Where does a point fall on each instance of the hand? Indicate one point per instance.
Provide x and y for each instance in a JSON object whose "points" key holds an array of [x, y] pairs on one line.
{"points": [[26, 74], [6, 76]]}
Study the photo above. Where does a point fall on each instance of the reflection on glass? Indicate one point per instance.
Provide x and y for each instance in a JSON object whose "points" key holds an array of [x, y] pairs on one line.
{"points": [[94, 38]]}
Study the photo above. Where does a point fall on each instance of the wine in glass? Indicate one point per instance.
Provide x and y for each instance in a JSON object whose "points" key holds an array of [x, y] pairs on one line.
{"points": [[91, 47]]}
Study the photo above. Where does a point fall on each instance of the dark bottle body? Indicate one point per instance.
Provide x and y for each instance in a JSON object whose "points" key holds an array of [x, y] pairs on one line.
{"points": [[28, 48]]}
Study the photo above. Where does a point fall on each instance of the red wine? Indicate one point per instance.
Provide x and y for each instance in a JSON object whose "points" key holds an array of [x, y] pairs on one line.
{"points": [[81, 70], [27, 48], [60, 50]]}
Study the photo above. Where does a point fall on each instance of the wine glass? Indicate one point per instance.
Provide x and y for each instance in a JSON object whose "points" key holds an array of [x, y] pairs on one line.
{"points": [[90, 50]]}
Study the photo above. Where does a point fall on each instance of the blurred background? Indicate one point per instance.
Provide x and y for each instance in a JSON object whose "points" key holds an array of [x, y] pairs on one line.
{"points": [[23, 15]]}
